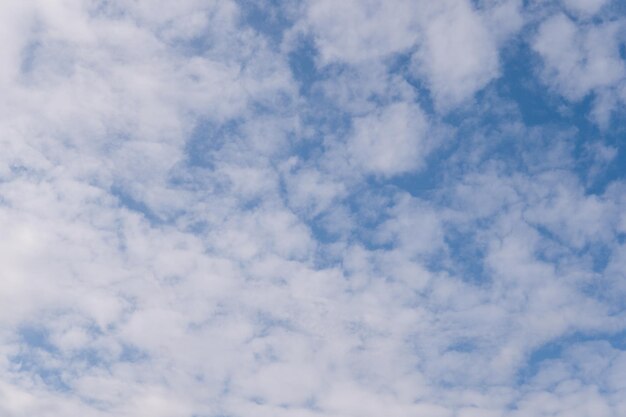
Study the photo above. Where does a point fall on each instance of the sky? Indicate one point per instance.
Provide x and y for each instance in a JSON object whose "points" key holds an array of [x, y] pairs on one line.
{"points": [[312, 208]]}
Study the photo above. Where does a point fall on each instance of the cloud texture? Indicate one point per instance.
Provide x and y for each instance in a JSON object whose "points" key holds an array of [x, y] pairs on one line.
{"points": [[220, 208]]}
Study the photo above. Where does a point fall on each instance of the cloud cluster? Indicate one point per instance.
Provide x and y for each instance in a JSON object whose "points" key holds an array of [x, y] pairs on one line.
{"points": [[278, 208], [581, 59]]}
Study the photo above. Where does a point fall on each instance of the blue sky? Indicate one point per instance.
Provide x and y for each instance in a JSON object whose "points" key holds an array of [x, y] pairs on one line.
{"points": [[229, 208]]}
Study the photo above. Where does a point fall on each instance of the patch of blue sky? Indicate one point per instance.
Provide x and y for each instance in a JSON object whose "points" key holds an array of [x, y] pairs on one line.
{"points": [[368, 205], [35, 357], [466, 256], [53, 378], [522, 98], [29, 56], [132, 203], [36, 337], [329, 124], [56, 368], [463, 346], [539, 106], [266, 322], [557, 350], [302, 64], [268, 17], [518, 83], [616, 169], [132, 354], [554, 249], [400, 64], [206, 139], [427, 182]]}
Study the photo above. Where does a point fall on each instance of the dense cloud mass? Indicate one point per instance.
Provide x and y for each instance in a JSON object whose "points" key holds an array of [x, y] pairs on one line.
{"points": [[359, 208]]}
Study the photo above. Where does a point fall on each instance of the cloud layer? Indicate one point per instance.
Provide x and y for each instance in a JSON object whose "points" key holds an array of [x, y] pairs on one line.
{"points": [[275, 208]]}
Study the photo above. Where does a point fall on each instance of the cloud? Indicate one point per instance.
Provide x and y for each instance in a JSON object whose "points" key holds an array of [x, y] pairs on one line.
{"points": [[580, 60], [585, 7], [192, 227], [456, 63], [392, 141], [359, 31]]}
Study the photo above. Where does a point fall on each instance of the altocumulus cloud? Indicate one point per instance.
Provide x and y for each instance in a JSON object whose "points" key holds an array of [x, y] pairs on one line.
{"points": [[232, 208]]}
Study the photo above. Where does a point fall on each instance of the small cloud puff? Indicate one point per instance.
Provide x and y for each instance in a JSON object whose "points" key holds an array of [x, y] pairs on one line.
{"points": [[390, 141]]}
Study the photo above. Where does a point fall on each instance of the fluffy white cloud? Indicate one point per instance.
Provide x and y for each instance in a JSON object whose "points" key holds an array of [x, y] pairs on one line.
{"points": [[454, 64], [458, 62], [390, 141], [186, 232], [579, 60], [355, 31]]}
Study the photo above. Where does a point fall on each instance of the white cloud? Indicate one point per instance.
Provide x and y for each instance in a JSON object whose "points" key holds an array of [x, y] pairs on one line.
{"points": [[390, 141], [309, 190], [356, 31], [137, 282], [585, 7], [504, 18], [579, 60], [414, 226], [456, 63]]}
